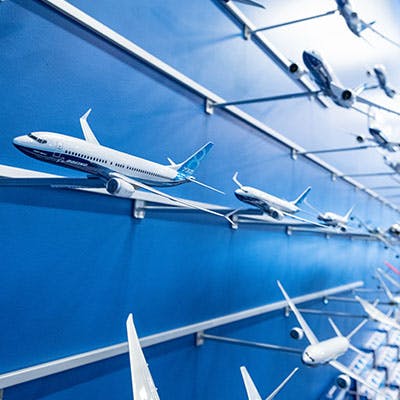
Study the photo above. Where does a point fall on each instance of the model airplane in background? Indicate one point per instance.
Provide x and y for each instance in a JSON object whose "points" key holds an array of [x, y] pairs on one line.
{"points": [[251, 390], [382, 136], [377, 315], [328, 85], [273, 206], [393, 300], [327, 351], [379, 71], [332, 219], [389, 278], [120, 173]]}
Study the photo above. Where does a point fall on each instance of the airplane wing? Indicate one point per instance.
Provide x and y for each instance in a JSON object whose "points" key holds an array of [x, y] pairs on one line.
{"points": [[61, 182], [307, 330], [281, 386], [384, 37], [251, 390], [371, 103], [344, 370], [304, 220], [142, 381], [189, 204]]}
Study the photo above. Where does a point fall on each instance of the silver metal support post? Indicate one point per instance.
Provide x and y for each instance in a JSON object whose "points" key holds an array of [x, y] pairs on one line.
{"points": [[338, 150]]}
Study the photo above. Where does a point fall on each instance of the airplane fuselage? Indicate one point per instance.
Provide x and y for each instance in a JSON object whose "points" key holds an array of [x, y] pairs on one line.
{"points": [[332, 219], [381, 140], [94, 159], [325, 351], [265, 201], [353, 21]]}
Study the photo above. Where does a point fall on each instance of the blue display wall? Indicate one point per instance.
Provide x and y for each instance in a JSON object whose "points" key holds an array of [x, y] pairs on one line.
{"points": [[74, 264]]}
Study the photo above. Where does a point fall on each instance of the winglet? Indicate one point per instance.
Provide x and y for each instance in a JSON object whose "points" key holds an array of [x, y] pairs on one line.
{"points": [[235, 179], [87, 131]]}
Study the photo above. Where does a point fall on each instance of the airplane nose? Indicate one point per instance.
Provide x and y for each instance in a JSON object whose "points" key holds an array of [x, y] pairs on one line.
{"points": [[20, 140]]}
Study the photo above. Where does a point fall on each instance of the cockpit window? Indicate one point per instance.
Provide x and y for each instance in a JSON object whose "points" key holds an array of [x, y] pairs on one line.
{"points": [[312, 359], [37, 139]]}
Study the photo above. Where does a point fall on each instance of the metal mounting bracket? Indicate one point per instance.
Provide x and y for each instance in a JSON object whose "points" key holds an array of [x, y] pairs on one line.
{"points": [[199, 338], [139, 209], [294, 154], [209, 107], [289, 231], [247, 32], [334, 177]]}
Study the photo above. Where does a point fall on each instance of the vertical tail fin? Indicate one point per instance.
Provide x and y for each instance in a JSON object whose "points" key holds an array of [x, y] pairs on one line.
{"points": [[302, 197], [188, 166], [347, 216], [252, 392], [142, 383]]}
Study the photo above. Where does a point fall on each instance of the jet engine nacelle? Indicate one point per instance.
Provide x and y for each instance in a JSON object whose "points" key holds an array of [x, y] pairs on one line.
{"points": [[344, 97], [360, 139], [295, 70], [276, 214], [297, 333], [120, 188], [343, 381]]}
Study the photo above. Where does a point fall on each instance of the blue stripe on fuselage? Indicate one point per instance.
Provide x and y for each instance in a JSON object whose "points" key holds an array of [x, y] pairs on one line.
{"points": [[81, 164]]}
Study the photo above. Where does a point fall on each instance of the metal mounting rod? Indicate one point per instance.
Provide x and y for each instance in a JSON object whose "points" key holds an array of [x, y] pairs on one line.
{"points": [[339, 149], [240, 342], [266, 99], [352, 300], [330, 313], [64, 364], [369, 174], [385, 187], [296, 21]]}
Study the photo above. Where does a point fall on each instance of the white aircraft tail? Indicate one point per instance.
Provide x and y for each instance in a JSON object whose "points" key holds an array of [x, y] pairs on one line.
{"points": [[348, 214], [236, 180], [252, 392], [87, 130], [142, 383], [302, 197]]}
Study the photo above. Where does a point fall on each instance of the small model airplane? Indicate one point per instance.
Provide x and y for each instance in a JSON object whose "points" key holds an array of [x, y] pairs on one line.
{"points": [[393, 300], [381, 76], [376, 315], [273, 206], [326, 351], [382, 136], [252, 392], [328, 85], [355, 23], [120, 173], [332, 219]]}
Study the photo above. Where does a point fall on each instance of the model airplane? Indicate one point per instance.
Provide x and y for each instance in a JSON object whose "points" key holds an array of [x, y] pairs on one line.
{"points": [[273, 206], [332, 219], [120, 173], [247, 2], [355, 23], [251, 390], [389, 278], [380, 135], [381, 76], [393, 300], [327, 351], [328, 85], [377, 315]]}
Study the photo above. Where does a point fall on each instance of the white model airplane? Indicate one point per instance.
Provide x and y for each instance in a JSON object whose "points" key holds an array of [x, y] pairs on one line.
{"points": [[377, 315], [327, 351], [251, 390], [389, 278], [393, 300], [328, 85], [332, 219], [381, 135], [380, 73], [142, 382], [120, 173], [247, 2], [273, 206]]}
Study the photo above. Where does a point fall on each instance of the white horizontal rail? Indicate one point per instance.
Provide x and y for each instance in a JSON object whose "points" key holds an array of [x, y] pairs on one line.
{"points": [[131, 48], [64, 364]]}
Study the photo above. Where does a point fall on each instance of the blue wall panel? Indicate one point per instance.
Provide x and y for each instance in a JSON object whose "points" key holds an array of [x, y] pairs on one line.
{"points": [[75, 264]]}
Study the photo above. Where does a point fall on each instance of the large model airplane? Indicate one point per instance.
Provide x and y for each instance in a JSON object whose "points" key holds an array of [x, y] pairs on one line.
{"points": [[329, 85], [120, 173], [377, 315], [382, 136], [251, 390], [327, 351], [143, 386], [393, 300], [273, 206]]}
